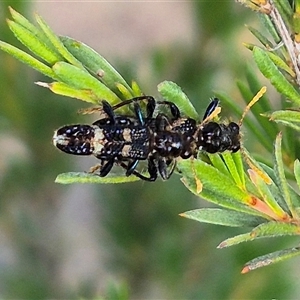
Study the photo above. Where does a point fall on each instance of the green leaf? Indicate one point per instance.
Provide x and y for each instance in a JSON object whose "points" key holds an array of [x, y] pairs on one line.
{"points": [[212, 178], [276, 192], [296, 24], [238, 239], [264, 230], [289, 124], [78, 177], [136, 89], [66, 90], [237, 158], [172, 92], [96, 64], [218, 162], [223, 217], [82, 80], [266, 194], [286, 115], [218, 188], [126, 94], [274, 228], [270, 71], [28, 60], [297, 172], [58, 45], [260, 37], [269, 25], [280, 176], [254, 165], [270, 258], [273, 187], [234, 172], [279, 62], [21, 20], [285, 11], [33, 43], [289, 118]]}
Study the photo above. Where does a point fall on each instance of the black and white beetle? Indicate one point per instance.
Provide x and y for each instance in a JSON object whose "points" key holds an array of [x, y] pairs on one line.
{"points": [[161, 139]]}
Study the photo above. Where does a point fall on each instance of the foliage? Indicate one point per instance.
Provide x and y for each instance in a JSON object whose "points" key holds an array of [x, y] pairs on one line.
{"points": [[264, 190], [258, 197]]}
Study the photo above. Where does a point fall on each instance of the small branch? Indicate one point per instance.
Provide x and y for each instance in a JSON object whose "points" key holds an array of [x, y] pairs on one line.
{"points": [[286, 38]]}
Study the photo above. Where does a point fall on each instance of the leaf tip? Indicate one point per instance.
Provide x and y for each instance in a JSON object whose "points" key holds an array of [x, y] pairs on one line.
{"points": [[248, 46], [11, 10], [38, 17], [43, 84], [57, 179], [245, 270], [222, 245], [279, 135]]}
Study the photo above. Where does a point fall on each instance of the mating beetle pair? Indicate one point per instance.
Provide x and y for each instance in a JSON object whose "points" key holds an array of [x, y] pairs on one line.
{"points": [[159, 139]]}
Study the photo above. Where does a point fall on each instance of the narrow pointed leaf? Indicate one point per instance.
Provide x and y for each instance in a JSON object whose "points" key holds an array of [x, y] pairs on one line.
{"points": [[238, 239], [270, 71], [217, 161], [297, 172], [267, 22], [33, 43], [225, 201], [295, 198], [280, 176], [290, 118], [63, 89], [273, 229], [264, 230], [75, 177], [285, 11], [223, 217], [213, 179], [136, 89], [254, 165], [296, 25], [172, 92], [60, 48], [277, 193], [127, 94], [81, 79], [289, 124], [96, 64], [266, 194], [237, 157], [271, 258], [28, 60], [21, 20], [230, 163], [217, 187], [280, 63], [265, 41]]}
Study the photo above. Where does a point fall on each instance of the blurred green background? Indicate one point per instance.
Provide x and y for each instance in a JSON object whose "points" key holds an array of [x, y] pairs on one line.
{"points": [[121, 241]]}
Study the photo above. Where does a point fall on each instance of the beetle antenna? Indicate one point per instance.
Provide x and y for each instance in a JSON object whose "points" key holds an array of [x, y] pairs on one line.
{"points": [[259, 94]]}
